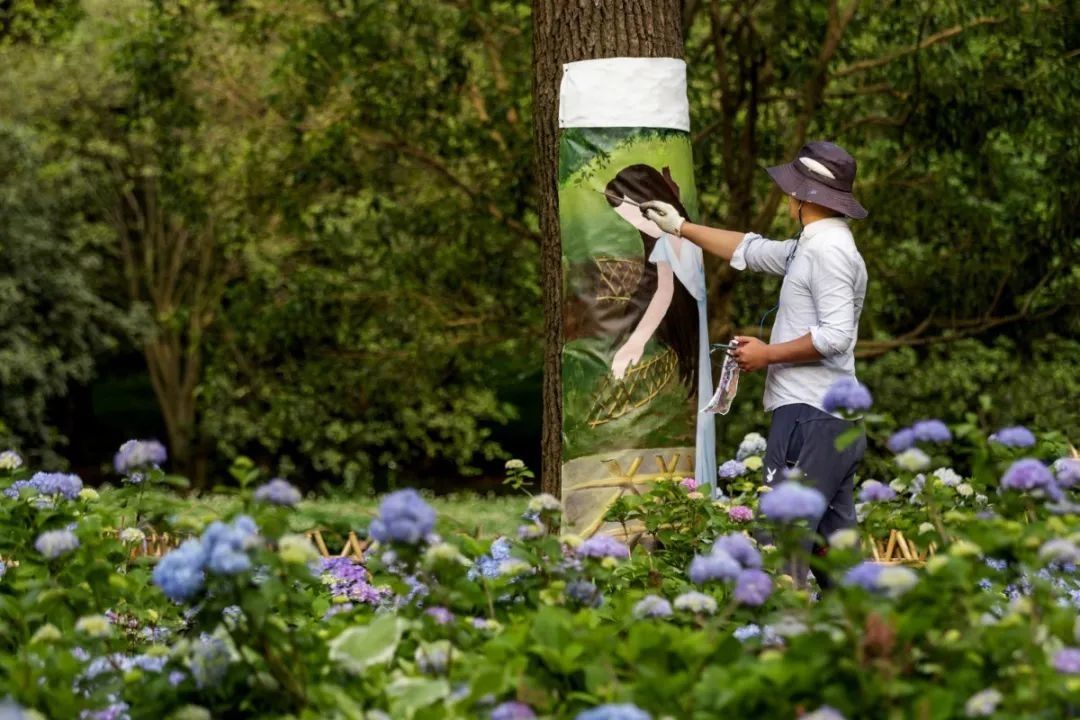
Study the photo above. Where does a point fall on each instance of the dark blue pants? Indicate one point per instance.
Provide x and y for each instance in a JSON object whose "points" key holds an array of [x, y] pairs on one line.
{"points": [[803, 437]]}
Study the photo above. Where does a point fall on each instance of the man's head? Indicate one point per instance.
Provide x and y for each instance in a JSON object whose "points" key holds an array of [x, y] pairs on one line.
{"points": [[820, 179]]}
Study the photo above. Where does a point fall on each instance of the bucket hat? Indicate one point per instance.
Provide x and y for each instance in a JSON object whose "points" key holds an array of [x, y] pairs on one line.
{"points": [[822, 173]]}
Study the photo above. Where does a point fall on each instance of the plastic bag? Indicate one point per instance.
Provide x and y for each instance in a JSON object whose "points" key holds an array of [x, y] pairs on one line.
{"points": [[725, 388]]}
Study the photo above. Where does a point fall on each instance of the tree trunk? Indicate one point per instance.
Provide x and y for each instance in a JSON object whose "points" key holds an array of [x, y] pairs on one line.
{"points": [[565, 31]]}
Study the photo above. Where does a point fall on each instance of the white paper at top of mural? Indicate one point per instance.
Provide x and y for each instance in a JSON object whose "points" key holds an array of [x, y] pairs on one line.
{"points": [[625, 92]]}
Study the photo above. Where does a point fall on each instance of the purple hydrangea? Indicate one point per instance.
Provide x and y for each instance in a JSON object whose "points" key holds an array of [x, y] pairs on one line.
{"points": [[1068, 471], [15, 489], [403, 517], [933, 431], [139, 454], [602, 546], [350, 579], [864, 575], [278, 492], [56, 484], [1017, 436], [790, 501], [440, 615], [54, 543], [847, 394], [874, 491], [824, 713], [1067, 661], [623, 711], [731, 469], [753, 587], [652, 606], [740, 514], [901, 440], [739, 547], [180, 573], [717, 565], [114, 711], [584, 592], [512, 710], [1028, 474]]}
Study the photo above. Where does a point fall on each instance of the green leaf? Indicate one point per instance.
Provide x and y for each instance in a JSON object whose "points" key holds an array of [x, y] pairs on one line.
{"points": [[407, 695], [359, 648]]}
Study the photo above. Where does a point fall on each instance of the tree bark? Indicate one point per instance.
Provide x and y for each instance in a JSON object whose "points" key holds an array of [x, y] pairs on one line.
{"points": [[565, 31]]}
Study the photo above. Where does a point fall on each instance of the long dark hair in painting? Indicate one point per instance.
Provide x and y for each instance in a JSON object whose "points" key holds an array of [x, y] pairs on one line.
{"points": [[679, 328]]}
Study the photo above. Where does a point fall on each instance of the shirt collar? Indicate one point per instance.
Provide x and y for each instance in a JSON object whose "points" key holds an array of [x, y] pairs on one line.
{"points": [[823, 225]]}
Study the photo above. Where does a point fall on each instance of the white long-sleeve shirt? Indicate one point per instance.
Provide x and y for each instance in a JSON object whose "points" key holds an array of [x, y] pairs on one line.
{"points": [[822, 294]]}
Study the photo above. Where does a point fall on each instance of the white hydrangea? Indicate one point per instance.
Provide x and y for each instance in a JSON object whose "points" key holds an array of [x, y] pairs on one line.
{"points": [[696, 602], [753, 444], [544, 502], [947, 476], [132, 535], [846, 539], [965, 490], [896, 580], [10, 460], [913, 460], [983, 703]]}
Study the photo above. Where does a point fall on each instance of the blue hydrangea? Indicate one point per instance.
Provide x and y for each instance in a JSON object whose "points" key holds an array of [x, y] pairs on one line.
{"points": [[603, 546], [753, 587], [741, 548], [874, 491], [933, 431], [226, 546], [585, 592], [1027, 475], [824, 713], [57, 484], [488, 565], [652, 606], [789, 501], [731, 469], [114, 711], [404, 517], [1067, 470], [847, 394], [512, 710], [210, 660], [278, 492], [717, 565], [15, 489], [864, 575], [54, 543], [623, 711], [1017, 436], [180, 573], [139, 454], [901, 440]]}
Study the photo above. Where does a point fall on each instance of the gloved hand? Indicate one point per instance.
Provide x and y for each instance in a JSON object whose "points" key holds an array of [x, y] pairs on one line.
{"points": [[665, 216]]}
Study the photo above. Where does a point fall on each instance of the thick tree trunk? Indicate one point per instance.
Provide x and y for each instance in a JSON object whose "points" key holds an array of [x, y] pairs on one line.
{"points": [[565, 31]]}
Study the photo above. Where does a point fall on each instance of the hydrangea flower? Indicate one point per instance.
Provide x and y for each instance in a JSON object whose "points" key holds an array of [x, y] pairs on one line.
{"points": [[901, 440], [731, 469], [532, 531], [15, 489], [895, 580], [139, 454], [349, 579], [933, 431], [913, 460], [717, 565], [790, 501], [440, 615], [544, 503], [1017, 436], [54, 543], [10, 461], [180, 573], [403, 517], [696, 602], [753, 444], [753, 587], [864, 575], [278, 492], [740, 514], [983, 703], [488, 565], [874, 491], [947, 476], [603, 546], [1028, 474], [1067, 661], [1060, 551], [847, 394], [93, 625], [585, 592], [1067, 470], [824, 713], [739, 547], [114, 711], [226, 546], [652, 606], [57, 484], [512, 711], [689, 484], [623, 711], [210, 660]]}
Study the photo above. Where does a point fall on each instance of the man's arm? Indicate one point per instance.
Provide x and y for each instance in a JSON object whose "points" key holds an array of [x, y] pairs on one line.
{"points": [[713, 240], [753, 354]]}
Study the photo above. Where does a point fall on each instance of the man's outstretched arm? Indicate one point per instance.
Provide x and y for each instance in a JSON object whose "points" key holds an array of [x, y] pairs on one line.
{"points": [[713, 240]]}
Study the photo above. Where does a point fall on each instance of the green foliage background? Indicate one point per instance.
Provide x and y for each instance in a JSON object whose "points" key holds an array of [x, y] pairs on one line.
{"points": [[363, 172]]}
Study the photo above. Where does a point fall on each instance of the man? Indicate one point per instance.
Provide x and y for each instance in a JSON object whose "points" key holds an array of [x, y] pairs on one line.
{"points": [[813, 337]]}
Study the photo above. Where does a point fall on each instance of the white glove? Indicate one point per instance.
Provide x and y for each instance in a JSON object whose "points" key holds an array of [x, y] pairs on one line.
{"points": [[665, 216]]}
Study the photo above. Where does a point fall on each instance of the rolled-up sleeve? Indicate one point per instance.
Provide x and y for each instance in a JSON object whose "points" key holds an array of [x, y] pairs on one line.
{"points": [[761, 255], [832, 281]]}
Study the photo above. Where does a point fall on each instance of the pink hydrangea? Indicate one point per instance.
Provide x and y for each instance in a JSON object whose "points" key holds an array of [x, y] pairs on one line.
{"points": [[740, 513], [689, 483]]}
